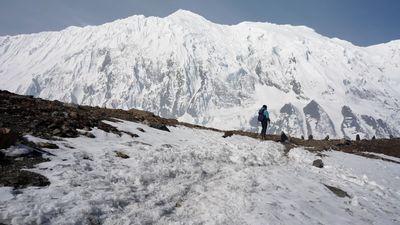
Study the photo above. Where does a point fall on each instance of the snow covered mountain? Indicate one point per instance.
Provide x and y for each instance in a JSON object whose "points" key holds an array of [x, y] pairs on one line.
{"points": [[186, 67]]}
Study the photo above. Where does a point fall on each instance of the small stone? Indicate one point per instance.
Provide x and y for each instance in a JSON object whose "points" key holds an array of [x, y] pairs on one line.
{"points": [[73, 115], [284, 138], [327, 138], [47, 145], [337, 191], [87, 129], [227, 134], [53, 125], [56, 132], [344, 142], [65, 128], [310, 137], [178, 204], [358, 137], [318, 163], [89, 135], [121, 155], [141, 129], [54, 114]]}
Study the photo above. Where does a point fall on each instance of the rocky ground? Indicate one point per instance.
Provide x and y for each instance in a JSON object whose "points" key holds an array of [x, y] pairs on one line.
{"points": [[26, 115]]}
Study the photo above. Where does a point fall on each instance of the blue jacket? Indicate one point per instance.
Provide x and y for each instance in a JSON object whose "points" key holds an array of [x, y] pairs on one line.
{"points": [[266, 114]]}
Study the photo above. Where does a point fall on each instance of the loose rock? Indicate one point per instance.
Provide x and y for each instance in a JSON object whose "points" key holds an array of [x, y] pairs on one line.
{"points": [[141, 129], [284, 138], [227, 134], [318, 163], [121, 155], [47, 145], [160, 127], [337, 191], [7, 138]]}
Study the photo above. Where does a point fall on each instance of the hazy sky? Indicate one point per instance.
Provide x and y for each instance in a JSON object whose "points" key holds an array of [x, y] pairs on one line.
{"points": [[363, 22]]}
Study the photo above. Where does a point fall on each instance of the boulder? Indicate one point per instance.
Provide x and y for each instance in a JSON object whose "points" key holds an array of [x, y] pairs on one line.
{"points": [[318, 163], [227, 134], [7, 138], [284, 137]]}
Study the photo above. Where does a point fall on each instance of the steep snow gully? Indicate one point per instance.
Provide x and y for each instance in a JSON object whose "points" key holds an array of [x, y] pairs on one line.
{"points": [[192, 176], [184, 66]]}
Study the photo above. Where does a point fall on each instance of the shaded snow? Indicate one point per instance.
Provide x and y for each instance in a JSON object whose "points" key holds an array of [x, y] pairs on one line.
{"points": [[190, 176]]}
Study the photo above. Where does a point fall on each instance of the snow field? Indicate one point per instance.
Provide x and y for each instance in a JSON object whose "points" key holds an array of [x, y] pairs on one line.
{"points": [[191, 176]]}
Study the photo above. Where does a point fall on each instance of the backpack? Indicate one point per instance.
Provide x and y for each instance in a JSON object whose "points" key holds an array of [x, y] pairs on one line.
{"points": [[261, 116]]}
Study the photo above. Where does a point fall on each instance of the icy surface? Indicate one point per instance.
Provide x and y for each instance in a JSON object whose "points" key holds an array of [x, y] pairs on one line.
{"points": [[15, 151], [186, 67], [5, 194], [190, 176]]}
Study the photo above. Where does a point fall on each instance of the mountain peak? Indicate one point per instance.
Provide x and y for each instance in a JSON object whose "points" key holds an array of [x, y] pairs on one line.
{"points": [[182, 14]]}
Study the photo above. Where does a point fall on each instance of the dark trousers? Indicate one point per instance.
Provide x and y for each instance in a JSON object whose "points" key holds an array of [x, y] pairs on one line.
{"points": [[264, 124]]}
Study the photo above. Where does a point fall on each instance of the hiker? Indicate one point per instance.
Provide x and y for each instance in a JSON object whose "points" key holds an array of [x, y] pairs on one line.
{"points": [[263, 117]]}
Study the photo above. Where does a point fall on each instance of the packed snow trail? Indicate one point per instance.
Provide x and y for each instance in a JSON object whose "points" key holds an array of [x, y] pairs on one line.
{"points": [[192, 176]]}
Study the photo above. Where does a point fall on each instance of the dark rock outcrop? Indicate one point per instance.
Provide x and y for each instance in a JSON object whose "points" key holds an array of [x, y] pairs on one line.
{"points": [[290, 121], [317, 120], [350, 122], [160, 127]]}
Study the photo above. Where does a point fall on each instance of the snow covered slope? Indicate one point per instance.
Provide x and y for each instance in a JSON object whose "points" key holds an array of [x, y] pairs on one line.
{"points": [[186, 67], [190, 176]]}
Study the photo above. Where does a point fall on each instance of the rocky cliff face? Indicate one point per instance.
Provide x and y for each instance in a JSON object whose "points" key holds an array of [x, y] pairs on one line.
{"points": [[188, 68]]}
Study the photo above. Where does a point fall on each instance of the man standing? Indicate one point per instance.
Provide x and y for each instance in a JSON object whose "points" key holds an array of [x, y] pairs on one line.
{"points": [[263, 117]]}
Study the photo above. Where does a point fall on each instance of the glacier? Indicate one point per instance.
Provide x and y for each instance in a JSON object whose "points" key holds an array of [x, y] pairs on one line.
{"points": [[186, 67]]}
